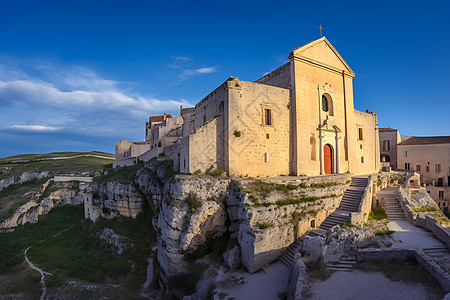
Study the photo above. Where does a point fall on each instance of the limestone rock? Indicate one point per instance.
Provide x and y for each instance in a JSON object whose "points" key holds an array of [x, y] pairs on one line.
{"points": [[296, 281], [119, 242], [232, 257], [4, 183], [27, 176], [208, 222]]}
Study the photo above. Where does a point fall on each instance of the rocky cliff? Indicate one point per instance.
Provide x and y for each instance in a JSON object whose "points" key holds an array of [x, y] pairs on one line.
{"points": [[50, 194], [258, 219]]}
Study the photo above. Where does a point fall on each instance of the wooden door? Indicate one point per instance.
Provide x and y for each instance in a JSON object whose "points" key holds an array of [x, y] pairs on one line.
{"points": [[328, 159]]}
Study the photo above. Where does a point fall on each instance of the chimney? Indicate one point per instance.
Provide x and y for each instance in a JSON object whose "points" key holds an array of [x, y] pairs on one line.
{"points": [[164, 116]]}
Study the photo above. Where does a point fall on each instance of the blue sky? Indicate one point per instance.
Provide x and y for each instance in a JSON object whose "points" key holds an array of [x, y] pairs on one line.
{"points": [[82, 75]]}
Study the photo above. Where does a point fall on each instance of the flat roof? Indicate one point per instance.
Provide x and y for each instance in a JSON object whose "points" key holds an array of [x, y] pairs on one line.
{"points": [[426, 140]]}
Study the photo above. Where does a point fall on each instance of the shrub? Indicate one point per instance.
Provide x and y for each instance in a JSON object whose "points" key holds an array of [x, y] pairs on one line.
{"points": [[348, 225], [197, 172], [193, 201], [425, 209], [384, 232], [237, 133], [264, 225], [377, 214]]}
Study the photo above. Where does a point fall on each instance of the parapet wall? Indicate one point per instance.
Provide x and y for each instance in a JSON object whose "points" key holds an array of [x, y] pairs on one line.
{"points": [[421, 199]]}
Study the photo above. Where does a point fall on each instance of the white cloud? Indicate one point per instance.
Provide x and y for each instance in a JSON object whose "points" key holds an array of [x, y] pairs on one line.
{"points": [[35, 128], [189, 73], [74, 99]]}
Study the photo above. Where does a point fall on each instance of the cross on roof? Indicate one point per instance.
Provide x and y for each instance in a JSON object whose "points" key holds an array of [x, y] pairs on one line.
{"points": [[320, 27]]}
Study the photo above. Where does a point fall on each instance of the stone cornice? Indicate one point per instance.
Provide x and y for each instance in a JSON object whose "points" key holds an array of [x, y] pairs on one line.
{"points": [[319, 64]]}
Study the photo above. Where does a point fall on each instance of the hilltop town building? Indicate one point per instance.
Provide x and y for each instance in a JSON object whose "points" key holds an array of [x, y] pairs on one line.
{"points": [[389, 138], [430, 157], [297, 119]]}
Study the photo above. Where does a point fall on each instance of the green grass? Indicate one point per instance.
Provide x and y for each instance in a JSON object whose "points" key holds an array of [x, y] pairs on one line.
{"points": [[377, 214], [78, 253], [384, 232], [425, 209]]}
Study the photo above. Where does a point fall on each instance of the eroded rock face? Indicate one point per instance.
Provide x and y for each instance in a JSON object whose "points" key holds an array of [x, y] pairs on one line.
{"points": [[27, 176], [4, 183], [183, 229], [66, 193], [118, 199]]}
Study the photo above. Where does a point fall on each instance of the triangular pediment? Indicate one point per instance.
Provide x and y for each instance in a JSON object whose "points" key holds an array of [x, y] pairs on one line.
{"points": [[322, 51]]}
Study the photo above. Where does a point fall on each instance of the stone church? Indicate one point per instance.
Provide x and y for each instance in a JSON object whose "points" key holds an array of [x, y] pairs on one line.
{"points": [[298, 119]]}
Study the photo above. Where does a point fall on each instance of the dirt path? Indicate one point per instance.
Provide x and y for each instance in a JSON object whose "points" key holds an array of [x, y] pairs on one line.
{"points": [[42, 272]]}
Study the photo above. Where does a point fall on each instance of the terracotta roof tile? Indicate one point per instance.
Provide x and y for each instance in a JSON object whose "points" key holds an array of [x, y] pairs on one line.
{"points": [[426, 140], [159, 119], [386, 129]]}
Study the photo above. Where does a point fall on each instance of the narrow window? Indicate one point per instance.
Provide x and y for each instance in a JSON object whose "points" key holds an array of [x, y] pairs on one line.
{"points": [[427, 169], [362, 159], [418, 168], [439, 204], [267, 136], [441, 194], [407, 166], [386, 145], [360, 134], [266, 157], [406, 153], [324, 103], [204, 119], [438, 168], [443, 203], [268, 116]]}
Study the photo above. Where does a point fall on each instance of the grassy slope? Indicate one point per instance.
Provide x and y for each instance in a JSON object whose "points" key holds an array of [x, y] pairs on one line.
{"points": [[78, 253]]}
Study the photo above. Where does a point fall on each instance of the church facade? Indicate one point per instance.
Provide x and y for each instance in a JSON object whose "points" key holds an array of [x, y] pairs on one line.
{"points": [[298, 119]]}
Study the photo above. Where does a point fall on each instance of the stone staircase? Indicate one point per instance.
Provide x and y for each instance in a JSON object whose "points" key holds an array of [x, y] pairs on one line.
{"points": [[288, 255], [345, 264], [392, 206], [441, 252], [349, 203]]}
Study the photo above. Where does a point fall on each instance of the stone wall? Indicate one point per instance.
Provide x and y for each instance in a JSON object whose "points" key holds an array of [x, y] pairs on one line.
{"points": [[404, 254], [366, 154], [393, 136], [266, 227], [280, 77], [409, 201], [203, 148], [254, 148]]}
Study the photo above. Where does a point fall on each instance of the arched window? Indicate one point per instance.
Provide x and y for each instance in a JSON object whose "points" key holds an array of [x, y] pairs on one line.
{"points": [[327, 104], [324, 103]]}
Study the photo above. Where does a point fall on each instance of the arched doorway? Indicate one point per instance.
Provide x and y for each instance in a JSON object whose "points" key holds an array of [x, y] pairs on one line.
{"points": [[328, 158]]}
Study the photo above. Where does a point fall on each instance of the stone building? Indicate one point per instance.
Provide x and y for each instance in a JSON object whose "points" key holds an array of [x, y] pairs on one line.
{"points": [[430, 157], [389, 138], [298, 119], [160, 132]]}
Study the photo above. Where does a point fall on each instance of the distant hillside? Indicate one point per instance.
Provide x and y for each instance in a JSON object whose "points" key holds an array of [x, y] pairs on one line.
{"points": [[23, 178], [55, 163]]}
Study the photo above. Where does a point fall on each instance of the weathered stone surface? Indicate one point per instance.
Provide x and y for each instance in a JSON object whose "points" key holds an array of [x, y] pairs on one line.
{"points": [[297, 280], [119, 242], [27, 176], [232, 257], [118, 199], [208, 222], [4, 183]]}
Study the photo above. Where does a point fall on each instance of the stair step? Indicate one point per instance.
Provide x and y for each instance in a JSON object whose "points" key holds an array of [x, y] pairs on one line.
{"points": [[339, 269]]}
